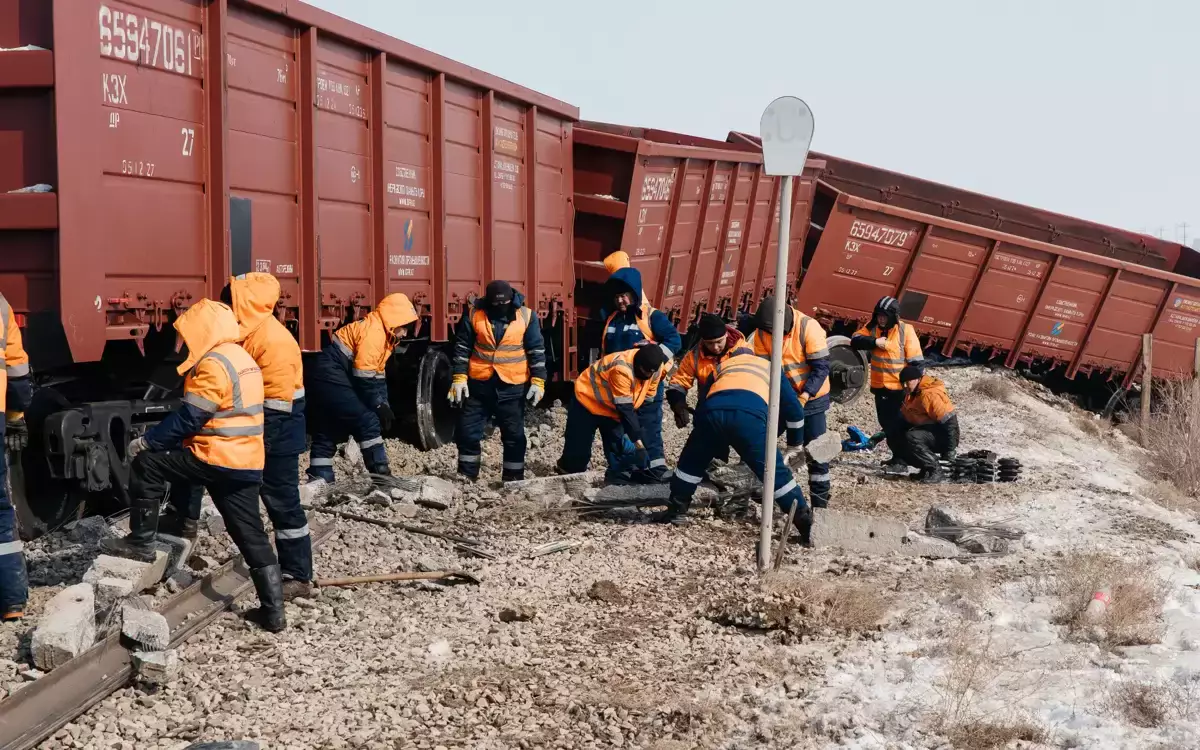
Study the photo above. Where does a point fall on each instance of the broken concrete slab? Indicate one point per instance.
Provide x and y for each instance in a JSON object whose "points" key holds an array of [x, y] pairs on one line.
{"points": [[919, 545], [111, 590], [354, 456], [156, 667], [558, 482], [645, 492], [312, 491], [825, 448], [145, 627], [141, 575], [874, 536], [67, 627]]}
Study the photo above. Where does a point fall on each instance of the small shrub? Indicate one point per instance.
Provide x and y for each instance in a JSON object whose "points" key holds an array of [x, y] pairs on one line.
{"points": [[802, 605], [1088, 424], [1142, 704], [1173, 436], [1166, 494], [996, 387], [1134, 613], [986, 735]]}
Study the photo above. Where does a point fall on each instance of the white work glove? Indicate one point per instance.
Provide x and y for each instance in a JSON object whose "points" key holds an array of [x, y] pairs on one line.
{"points": [[537, 391], [792, 455], [136, 446], [458, 393], [881, 343]]}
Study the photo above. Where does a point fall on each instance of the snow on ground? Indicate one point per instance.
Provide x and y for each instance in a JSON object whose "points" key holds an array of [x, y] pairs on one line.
{"points": [[684, 647]]}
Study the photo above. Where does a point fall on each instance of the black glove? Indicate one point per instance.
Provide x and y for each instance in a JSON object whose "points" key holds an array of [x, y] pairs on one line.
{"points": [[952, 434], [386, 416], [17, 437], [643, 456], [682, 418]]}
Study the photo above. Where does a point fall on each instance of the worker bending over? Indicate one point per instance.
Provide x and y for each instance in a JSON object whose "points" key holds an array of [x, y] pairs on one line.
{"points": [[931, 425], [16, 391], [717, 341], [348, 392], [629, 325], [735, 414], [607, 397], [806, 370], [498, 350], [892, 344], [214, 439]]}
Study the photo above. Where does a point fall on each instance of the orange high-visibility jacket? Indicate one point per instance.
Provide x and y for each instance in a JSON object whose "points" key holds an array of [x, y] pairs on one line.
{"points": [[16, 361], [929, 404], [610, 381], [507, 358], [267, 340], [367, 345], [805, 343], [903, 347]]}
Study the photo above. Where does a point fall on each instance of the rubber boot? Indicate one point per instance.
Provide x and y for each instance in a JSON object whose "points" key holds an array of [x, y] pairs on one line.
{"points": [[138, 544], [513, 476], [381, 468], [930, 476], [675, 512], [176, 525], [660, 474], [803, 521], [269, 614]]}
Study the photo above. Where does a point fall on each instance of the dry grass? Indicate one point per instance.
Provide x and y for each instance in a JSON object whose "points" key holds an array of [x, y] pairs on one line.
{"points": [[1173, 436], [1152, 704], [1134, 614], [803, 606], [1166, 494], [989, 735], [1089, 424], [996, 387]]}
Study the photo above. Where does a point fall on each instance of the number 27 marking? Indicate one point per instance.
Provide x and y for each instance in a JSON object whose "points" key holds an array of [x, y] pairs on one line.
{"points": [[887, 270], [189, 140]]}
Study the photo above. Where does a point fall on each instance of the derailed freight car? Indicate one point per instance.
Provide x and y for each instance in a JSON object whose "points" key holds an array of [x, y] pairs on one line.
{"points": [[188, 140], [984, 276]]}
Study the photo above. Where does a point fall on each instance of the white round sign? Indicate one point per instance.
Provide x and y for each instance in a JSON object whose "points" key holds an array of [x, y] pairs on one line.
{"points": [[786, 129]]}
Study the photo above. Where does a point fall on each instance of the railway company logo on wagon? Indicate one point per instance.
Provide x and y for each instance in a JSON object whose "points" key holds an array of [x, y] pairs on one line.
{"points": [[406, 261]]}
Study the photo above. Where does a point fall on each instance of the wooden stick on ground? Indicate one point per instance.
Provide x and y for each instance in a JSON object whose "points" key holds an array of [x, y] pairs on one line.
{"points": [[396, 525]]}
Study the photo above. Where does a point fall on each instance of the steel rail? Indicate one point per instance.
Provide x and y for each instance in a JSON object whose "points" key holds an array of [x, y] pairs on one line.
{"points": [[39, 710]]}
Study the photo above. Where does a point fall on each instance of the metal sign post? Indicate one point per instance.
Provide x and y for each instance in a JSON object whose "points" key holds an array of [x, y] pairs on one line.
{"points": [[786, 129]]}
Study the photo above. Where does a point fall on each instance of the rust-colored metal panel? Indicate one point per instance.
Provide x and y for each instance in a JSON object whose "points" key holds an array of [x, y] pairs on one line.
{"points": [[190, 139]]}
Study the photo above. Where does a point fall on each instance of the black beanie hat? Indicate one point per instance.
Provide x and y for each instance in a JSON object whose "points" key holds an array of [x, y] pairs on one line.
{"points": [[764, 319], [499, 293], [911, 372], [649, 358], [712, 326]]}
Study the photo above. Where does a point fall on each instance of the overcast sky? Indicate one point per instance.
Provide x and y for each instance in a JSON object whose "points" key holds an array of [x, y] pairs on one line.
{"points": [[1085, 107]]}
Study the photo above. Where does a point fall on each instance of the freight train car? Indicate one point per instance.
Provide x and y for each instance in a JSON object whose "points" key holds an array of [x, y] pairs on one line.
{"points": [[982, 276], [187, 140]]}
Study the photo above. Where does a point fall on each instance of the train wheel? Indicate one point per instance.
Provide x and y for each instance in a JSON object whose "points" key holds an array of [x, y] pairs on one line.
{"points": [[847, 371], [436, 419]]}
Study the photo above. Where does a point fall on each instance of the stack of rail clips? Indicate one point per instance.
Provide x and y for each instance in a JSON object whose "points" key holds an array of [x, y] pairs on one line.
{"points": [[964, 469], [1010, 469]]}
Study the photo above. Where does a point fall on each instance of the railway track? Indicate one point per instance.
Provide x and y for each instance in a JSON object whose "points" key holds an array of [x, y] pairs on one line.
{"points": [[41, 709]]}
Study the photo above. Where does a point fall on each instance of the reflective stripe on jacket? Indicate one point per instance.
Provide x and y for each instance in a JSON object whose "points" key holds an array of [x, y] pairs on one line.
{"points": [[507, 359], [610, 382], [743, 370], [227, 383], [367, 344], [805, 343], [697, 366], [929, 404], [641, 322], [903, 347], [16, 361], [267, 340]]}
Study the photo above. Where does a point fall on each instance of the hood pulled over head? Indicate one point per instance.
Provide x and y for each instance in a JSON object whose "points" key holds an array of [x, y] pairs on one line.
{"points": [[396, 311], [624, 281], [203, 326], [253, 297]]}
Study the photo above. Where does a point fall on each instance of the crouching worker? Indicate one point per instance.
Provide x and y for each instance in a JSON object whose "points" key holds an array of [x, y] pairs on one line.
{"points": [[931, 425], [633, 322], [15, 394], [892, 344], [214, 440], [498, 349], [806, 369], [717, 342], [607, 397], [347, 392], [735, 414]]}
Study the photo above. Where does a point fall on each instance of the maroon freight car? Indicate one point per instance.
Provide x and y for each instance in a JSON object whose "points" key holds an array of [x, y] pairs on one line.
{"points": [[187, 140], [1074, 302], [698, 218]]}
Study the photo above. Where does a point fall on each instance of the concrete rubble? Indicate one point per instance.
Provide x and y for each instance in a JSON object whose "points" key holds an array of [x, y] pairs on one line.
{"points": [[145, 627], [117, 577], [67, 627], [156, 667], [874, 536]]}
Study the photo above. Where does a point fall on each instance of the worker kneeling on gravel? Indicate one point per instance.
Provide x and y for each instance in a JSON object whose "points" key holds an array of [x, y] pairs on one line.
{"points": [[214, 439], [735, 414], [717, 342], [806, 368], [892, 344], [931, 425], [631, 324], [607, 397], [16, 392], [498, 350], [347, 388]]}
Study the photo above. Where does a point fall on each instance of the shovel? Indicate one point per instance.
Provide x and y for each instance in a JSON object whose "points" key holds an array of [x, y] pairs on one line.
{"points": [[457, 575]]}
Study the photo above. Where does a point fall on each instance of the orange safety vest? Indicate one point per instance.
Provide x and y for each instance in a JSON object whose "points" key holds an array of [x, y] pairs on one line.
{"points": [[930, 404], [267, 340], [696, 366], [903, 347], [744, 371], [643, 323], [16, 361], [227, 383], [806, 340], [507, 359], [610, 382]]}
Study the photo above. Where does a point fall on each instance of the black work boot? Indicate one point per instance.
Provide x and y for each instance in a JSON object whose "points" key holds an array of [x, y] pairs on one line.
{"points": [[930, 476], [294, 589], [269, 615], [675, 512], [138, 544], [803, 521], [380, 469], [513, 475], [177, 525]]}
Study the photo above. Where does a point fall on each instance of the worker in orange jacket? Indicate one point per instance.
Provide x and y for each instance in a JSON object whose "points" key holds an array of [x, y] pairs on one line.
{"points": [[498, 353], [347, 386], [15, 394], [931, 424], [607, 397], [717, 342], [806, 369], [893, 343], [214, 439]]}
